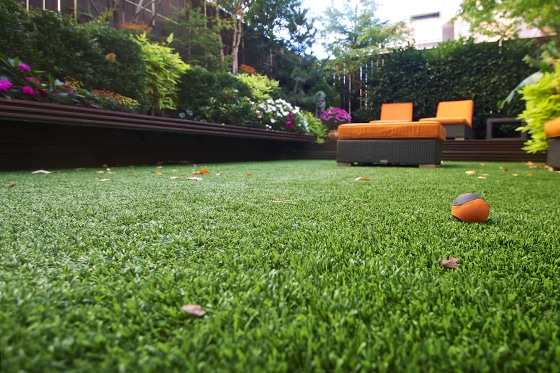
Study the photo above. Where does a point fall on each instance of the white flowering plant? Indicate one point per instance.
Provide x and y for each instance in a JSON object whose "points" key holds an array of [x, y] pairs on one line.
{"points": [[280, 115]]}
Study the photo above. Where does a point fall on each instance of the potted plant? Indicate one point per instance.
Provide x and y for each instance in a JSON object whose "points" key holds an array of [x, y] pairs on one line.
{"points": [[333, 117]]}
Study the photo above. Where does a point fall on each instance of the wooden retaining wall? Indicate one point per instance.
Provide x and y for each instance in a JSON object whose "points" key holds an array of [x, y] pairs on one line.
{"points": [[39, 135]]}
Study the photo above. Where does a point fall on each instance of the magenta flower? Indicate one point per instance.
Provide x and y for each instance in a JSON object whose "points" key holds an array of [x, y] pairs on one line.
{"points": [[291, 116], [44, 94], [27, 90], [5, 85], [289, 124], [24, 67], [29, 78]]}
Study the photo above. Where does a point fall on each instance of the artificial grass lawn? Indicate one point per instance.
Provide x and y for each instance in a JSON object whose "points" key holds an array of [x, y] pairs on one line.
{"points": [[299, 267]]}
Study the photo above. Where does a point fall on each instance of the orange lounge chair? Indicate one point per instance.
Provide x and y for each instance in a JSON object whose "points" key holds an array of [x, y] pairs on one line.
{"points": [[456, 118], [395, 112]]}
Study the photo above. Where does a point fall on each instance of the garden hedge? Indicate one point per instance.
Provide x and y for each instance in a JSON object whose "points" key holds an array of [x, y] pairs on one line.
{"points": [[455, 70]]}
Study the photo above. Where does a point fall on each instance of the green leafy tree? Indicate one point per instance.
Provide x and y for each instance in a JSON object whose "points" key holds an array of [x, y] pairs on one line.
{"points": [[504, 18], [197, 39], [354, 34]]}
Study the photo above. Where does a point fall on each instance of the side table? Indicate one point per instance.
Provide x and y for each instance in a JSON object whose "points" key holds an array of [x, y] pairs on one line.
{"points": [[490, 122]]}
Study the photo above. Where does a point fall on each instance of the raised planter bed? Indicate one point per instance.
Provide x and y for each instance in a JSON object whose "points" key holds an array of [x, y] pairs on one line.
{"points": [[40, 135]]}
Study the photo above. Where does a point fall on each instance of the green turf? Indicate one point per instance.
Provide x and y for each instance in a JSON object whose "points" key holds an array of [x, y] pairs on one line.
{"points": [[299, 267]]}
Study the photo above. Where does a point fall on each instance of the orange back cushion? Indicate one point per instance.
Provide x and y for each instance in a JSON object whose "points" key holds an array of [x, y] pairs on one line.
{"points": [[462, 109], [397, 111]]}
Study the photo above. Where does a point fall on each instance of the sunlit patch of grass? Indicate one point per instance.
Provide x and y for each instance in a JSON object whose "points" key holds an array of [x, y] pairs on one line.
{"points": [[298, 265]]}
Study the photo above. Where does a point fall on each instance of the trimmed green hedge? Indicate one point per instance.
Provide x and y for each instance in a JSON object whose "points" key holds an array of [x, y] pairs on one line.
{"points": [[457, 70]]}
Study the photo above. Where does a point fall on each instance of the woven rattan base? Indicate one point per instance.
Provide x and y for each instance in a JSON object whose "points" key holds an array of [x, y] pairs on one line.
{"points": [[413, 152], [458, 131], [553, 152]]}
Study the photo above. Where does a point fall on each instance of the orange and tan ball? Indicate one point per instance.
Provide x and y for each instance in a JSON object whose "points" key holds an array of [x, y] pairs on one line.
{"points": [[470, 208]]}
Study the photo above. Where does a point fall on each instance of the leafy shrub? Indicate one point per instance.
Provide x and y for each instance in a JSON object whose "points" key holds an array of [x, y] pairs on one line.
{"points": [[543, 104], [50, 42], [201, 90], [164, 69], [316, 127], [262, 87]]}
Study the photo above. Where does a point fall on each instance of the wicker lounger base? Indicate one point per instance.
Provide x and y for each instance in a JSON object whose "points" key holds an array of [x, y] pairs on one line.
{"points": [[413, 152], [458, 131], [553, 153]]}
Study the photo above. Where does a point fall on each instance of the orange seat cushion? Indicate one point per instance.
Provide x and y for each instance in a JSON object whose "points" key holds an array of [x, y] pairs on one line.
{"points": [[407, 130], [552, 128]]}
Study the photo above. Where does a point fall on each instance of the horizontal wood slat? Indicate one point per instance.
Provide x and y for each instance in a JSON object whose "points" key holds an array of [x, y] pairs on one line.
{"points": [[30, 111]]}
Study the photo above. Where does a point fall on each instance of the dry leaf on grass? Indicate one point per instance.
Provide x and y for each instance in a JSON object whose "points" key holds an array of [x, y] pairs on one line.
{"points": [[174, 177], [450, 263], [247, 174], [362, 178], [194, 178], [194, 309], [219, 174], [40, 172], [470, 172], [201, 172], [282, 201], [104, 179], [11, 185]]}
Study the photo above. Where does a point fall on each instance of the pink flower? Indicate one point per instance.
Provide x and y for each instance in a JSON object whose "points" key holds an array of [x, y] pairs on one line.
{"points": [[27, 90], [44, 94], [289, 124], [291, 116], [24, 67], [5, 85], [28, 78]]}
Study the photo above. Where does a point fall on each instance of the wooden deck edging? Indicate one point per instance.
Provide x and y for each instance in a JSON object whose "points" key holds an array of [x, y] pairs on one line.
{"points": [[41, 135]]}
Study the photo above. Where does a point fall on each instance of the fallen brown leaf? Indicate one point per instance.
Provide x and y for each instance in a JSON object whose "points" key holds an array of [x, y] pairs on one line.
{"points": [[201, 172], [40, 172], [362, 178], [194, 309], [282, 201], [470, 172], [104, 179], [450, 263], [194, 178], [11, 185]]}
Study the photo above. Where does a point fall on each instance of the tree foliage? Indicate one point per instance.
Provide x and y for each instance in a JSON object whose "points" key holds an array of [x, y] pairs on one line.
{"points": [[504, 18]]}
